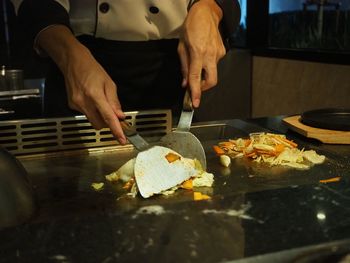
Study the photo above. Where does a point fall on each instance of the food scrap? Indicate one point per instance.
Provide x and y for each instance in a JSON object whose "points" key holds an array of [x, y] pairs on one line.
{"points": [[129, 184], [330, 180], [97, 186], [188, 184], [203, 179], [273, 149], [198, 196], [225, 160]]}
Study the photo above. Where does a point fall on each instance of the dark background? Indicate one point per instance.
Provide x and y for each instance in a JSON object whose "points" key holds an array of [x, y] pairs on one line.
{"points": [[272, 33]]}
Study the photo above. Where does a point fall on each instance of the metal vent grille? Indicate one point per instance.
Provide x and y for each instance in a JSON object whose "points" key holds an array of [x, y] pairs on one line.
{"points": [[55, 134]]}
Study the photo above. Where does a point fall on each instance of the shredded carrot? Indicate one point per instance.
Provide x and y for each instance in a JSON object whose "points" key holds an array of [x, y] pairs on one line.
{"points": [[291, 143], [226, 144], [331, 180], [172, 157], [218, 150], [262, 152], [197, 196], [252, 154], [247, 142], [188, 184], [279, 148], [129, 184]]}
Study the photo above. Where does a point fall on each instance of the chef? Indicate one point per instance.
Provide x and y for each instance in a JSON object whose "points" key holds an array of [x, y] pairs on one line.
{"points": [[113, 55]]}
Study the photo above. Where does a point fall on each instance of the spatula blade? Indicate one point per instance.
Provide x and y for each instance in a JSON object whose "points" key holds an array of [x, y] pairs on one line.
{"points": [[186, 144], [154, 173], [182, 140]]}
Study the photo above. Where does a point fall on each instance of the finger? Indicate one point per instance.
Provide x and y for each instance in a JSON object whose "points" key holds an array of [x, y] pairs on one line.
{"points": [[183, 55], [110, 119], [112, 99], [94, 117], [221, 52], [210, 76], [194, 79]]}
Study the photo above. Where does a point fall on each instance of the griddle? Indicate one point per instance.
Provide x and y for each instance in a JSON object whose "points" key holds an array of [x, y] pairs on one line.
{"points": [[254, 209]]}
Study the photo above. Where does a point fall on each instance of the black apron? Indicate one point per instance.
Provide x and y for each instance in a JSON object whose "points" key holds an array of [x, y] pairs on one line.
{"points": [[147, 75]]}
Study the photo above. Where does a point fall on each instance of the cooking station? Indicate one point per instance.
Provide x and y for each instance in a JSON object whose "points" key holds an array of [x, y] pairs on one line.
{"points": [[256, 213]]}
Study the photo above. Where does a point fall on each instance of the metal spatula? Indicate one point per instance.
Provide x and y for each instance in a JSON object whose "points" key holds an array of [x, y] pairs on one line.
{"points": [[181, 139], [153, 172], [133, 137]]}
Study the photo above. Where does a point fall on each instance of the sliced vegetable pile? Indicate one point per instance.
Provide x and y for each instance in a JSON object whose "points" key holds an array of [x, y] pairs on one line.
{"points": [[273, 149], [202, 178]]}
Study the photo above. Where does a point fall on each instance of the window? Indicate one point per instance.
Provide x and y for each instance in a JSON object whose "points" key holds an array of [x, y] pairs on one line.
{"points": [[239, 39], [310, 25]]}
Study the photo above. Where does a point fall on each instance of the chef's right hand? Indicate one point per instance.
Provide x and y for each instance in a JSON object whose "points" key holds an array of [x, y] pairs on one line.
{"points": [[90, 90]]}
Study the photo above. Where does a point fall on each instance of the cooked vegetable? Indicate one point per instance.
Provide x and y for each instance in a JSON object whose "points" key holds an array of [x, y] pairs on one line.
{"points": [[197, 196], [225, 160], [331, 180], [218, 150], [172, 157], [97, 186], [203, 179], [187, 184], [126, 174], [129, 184], [313, 157], [273, 149]]}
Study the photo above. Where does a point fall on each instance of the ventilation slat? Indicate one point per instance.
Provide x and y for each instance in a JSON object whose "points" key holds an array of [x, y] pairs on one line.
{"points": [[57, 134], [38, 125], [4, 127], [42, 131]]}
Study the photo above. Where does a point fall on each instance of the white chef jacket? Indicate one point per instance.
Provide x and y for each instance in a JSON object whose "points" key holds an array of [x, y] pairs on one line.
{"points": [[123, 20], [127, 20]]}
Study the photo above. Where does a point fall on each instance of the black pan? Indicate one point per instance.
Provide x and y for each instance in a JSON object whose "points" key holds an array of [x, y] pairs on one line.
{"points": [[332, 119]]}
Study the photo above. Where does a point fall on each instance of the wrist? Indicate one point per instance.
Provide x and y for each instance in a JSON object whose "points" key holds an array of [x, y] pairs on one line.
{"points": [[214, 6]]}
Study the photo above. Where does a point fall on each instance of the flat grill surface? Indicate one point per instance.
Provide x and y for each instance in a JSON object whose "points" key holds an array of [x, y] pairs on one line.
{"points": [[254, 209]]}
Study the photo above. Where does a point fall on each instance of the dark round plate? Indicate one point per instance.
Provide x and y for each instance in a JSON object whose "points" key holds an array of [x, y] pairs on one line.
{"points": [[332, 119]]}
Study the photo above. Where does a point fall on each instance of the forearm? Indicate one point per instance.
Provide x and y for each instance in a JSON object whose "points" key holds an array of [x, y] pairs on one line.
{"points": [[59, 43]]}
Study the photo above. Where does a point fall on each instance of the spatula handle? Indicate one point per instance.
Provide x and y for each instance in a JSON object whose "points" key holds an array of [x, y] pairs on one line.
{"points": [[127, 128], [187, 103], [186, 114]]}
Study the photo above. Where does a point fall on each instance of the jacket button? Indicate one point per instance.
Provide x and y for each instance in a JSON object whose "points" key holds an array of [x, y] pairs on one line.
{"points": [[104, 7], [154, 10]]}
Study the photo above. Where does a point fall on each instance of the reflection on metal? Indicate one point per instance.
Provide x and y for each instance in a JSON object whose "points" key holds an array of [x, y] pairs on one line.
{"points": [[55, 134]]}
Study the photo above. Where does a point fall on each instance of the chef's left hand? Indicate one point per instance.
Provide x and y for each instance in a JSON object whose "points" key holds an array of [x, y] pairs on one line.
{"points": [[200, 48]]}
